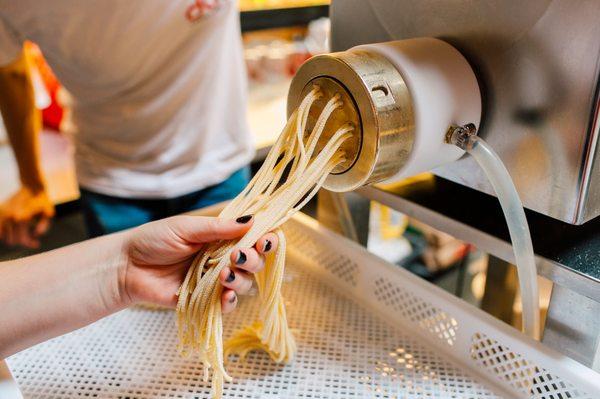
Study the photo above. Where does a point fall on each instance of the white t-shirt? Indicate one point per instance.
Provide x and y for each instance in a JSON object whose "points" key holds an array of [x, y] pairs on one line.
{"points": [[158, 91]]}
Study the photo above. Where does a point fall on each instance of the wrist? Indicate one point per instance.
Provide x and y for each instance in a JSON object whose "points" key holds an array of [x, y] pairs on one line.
{"points": [[124, 269], [113, 288], [34, 185]]}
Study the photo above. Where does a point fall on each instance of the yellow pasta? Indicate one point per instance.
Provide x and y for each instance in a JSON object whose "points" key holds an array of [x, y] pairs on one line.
{"points": [[291, 175]]}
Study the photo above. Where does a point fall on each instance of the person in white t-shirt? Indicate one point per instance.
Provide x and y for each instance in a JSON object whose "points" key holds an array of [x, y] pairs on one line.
{"points": [[157, 99]]}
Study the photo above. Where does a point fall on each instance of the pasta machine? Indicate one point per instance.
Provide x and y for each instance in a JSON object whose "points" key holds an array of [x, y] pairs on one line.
{"points": [[527, 76]]}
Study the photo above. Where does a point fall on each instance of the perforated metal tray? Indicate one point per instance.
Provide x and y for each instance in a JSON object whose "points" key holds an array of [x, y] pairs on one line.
{"points": [[364, 328]]}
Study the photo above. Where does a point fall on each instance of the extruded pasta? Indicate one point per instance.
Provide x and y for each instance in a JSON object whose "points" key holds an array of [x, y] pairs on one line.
{"points": [[290, 176]]}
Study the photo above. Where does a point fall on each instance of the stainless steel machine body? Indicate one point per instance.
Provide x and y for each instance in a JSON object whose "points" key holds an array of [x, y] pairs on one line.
{"points": [[538, 65]]}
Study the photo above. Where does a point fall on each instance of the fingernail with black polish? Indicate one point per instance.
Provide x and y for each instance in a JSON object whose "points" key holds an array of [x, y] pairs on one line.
{"points": [[241, 258], [231, 277], [233, 298], [268, 246], [244, 219]]}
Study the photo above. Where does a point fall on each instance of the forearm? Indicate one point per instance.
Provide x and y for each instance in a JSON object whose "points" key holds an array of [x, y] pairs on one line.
{"points": [[47, 295], [22, 120]]}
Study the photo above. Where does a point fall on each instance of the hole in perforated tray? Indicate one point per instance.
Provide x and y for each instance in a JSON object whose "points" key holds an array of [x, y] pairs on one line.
{"points": [[306, 245], [512, 368], [428, 317]]}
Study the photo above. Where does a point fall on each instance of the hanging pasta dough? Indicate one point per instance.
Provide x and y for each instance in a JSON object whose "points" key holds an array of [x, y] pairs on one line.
{"points": [[290, 176]]}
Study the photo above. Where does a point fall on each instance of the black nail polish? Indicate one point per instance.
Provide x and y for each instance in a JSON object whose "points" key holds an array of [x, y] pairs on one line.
{"points": [[268, 246], [241, 258], [231, 277], [232, 299], [244, 219]]}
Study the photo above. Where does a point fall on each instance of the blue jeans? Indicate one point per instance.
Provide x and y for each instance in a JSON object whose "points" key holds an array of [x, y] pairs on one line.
{"points": [[106, 214]]}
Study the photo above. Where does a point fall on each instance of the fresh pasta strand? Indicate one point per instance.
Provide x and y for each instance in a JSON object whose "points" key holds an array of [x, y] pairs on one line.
{"points": [[290, 176]]}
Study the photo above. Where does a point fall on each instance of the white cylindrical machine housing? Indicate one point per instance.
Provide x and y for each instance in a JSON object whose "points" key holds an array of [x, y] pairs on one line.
{"points": [[444, 92]]}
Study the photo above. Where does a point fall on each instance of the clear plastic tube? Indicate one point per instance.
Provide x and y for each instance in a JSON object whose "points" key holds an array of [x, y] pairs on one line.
{"points": [[518, 228]]}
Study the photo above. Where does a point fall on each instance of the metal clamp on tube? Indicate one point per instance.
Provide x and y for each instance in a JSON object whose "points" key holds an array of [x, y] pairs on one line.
{"points": [[461, 136]]}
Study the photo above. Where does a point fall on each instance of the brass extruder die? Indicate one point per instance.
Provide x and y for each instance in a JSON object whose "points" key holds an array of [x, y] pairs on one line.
{"points": [[376, 101]]}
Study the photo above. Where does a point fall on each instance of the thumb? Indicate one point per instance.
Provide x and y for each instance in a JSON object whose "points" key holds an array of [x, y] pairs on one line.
{"points": [[199, 229]]}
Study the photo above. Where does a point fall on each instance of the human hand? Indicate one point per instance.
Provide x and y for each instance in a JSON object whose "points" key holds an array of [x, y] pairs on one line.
{"points": [[159, 254], [24, 217]]}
